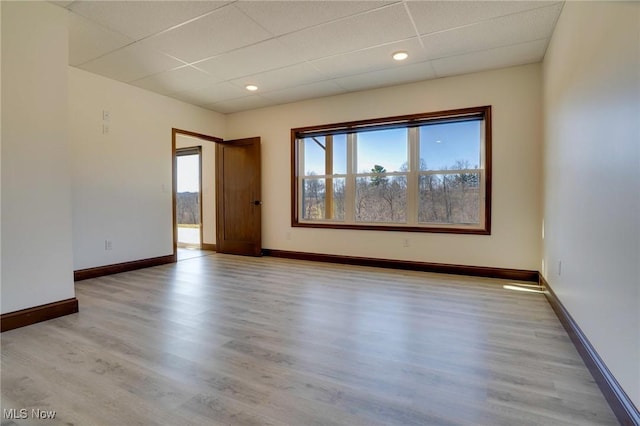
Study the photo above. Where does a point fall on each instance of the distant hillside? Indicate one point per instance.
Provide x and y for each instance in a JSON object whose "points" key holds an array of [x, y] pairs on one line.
{"points": [[188, 208]]}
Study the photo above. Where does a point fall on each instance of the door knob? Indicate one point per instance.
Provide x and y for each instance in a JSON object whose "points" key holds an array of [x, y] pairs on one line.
{"points": [[257, 203]]}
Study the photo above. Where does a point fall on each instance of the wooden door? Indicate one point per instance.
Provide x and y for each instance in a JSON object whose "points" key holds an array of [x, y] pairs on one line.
{"points": [[238, 199]]}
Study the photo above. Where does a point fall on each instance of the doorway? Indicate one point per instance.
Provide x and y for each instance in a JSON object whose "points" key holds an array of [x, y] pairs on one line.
{"points": [[189, 196], [230, 188]]}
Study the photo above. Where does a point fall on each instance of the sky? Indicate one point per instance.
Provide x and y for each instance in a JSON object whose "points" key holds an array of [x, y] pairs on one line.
{"points": [[441, 145], [188, 173]]}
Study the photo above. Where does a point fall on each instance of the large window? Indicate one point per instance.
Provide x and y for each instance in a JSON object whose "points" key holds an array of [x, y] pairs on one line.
{"points": [[426, 172]]}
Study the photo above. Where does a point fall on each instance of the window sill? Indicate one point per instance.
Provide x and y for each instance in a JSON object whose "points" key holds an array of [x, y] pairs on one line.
{"points": [[398, 228]]}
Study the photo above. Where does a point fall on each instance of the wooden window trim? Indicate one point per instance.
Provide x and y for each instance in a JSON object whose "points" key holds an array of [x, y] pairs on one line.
{"points": [[412, 120]]}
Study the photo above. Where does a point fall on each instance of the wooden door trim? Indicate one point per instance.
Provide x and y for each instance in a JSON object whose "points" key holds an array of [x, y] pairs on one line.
{"points": [[174, 183]]}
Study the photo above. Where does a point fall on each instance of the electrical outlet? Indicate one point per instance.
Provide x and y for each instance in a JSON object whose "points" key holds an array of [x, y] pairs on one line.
{"points": [[559, 267], [105, 129], [405, 242], [106, 115], [108, 245]]}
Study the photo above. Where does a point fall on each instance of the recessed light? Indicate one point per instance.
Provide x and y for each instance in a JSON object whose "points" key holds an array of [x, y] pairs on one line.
{"points": [[400, 56], [251, 87]]}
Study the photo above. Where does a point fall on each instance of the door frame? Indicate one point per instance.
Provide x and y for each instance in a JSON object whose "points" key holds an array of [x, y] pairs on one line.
{"points": [[174, 183]]}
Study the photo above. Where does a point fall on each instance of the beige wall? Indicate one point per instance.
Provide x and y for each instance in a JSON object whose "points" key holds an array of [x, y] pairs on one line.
{"points": [[36, 196], [121, 181], [208, 183], [515, 96], [592, 178]]}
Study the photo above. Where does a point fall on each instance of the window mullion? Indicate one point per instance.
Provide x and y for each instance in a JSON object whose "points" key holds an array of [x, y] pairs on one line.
{"points": [[412, 176], [328, 165], [350, 181]]}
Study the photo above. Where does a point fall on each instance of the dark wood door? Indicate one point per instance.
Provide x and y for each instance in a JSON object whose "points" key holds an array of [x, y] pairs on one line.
{"points": [[238, 199]]}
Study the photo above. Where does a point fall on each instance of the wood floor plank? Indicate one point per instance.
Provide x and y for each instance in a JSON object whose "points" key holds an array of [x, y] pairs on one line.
{"points": [[234, 340]]}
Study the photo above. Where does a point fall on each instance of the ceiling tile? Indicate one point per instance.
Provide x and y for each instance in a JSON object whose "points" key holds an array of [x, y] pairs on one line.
{"points": [[193, 98], [131, 63], [373, 59], [176, 80], [389, 77], [295, 75], [267, 55], [240, 104], [308, 91], [139, 19], [433, 16], [516, 54], [212, 93], [282, 17], [89, 41], [385, 25], [221, 31], [518, 28]]}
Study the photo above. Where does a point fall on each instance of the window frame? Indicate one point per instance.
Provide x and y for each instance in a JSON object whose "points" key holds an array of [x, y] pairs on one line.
{"points": [[408, 122]]}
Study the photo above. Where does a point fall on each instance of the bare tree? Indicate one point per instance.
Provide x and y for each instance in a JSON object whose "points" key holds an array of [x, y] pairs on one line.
{"points": [[381, 198], [338, 199], [313, 196], [188, 208]]}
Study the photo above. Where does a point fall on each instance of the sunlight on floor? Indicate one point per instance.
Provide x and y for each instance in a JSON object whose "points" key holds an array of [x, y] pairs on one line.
{"points": [[531, 288], [185, 253]]}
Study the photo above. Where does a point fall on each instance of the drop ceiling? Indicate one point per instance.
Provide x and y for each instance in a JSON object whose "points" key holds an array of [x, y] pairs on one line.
{"points": [[206, 52]]}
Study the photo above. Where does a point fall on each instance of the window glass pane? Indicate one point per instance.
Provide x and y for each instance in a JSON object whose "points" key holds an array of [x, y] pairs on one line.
{"points": [[323, 199], [338, 197], [314, 156], [449, 198], [339, 154], [386, 149], [315, 152], [381, 198], [450, 146], [313, 199]]}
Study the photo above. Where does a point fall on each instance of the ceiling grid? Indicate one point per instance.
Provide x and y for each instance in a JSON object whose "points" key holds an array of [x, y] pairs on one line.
{"points": [[206, 52]]}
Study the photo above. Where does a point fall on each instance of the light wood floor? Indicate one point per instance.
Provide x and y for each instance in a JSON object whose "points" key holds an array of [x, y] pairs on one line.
{"points": [[263, 341], [185, 253]]}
